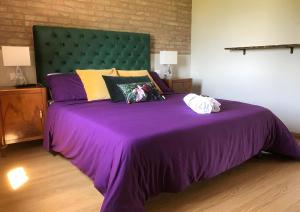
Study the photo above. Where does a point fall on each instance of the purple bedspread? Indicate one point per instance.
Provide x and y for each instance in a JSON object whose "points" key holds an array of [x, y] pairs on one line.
{"points": [[132, 152]]}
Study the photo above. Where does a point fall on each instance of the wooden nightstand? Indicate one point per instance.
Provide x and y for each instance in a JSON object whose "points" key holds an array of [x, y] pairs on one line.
{"points": [[180, 85], [22, 113]]}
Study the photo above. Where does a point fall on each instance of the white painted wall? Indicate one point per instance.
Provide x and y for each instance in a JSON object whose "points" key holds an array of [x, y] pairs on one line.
{"points": [[270, 78]]}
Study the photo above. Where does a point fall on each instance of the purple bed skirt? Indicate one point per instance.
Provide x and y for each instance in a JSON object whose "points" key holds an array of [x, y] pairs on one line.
{"points": [[133, 152]]}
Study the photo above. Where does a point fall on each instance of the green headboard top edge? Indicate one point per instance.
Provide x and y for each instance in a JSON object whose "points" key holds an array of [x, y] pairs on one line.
{"points": [[63, 50], [88, 29]]}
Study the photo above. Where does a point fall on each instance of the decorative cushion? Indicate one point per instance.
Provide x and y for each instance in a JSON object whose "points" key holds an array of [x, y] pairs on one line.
{"points": [[94, 84], [138, 73], [113, 89], [65, 87], [140, 92], [162, 85]]}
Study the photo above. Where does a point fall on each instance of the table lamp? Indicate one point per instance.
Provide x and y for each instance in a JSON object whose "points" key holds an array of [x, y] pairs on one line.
{"points": [[168, 58], [17, 56]]}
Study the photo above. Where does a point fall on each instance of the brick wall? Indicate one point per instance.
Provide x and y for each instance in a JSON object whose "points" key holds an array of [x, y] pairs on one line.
{"points": [[168, 21]]}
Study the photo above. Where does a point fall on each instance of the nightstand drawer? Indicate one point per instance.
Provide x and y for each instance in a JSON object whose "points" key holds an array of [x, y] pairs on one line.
{"points": [[22, 114], [180, 85], [22, 120]]}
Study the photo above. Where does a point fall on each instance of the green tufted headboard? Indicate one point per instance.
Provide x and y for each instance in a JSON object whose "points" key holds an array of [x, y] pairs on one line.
{"points": [[63, 50]]}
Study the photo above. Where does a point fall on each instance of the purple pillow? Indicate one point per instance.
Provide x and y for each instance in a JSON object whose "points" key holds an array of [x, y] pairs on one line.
{"points": [[162, 85], [65, 87]]}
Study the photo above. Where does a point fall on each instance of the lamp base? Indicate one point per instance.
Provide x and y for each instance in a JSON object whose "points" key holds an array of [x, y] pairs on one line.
{"points": [[27, 86], [168, 74], [20, 78]]}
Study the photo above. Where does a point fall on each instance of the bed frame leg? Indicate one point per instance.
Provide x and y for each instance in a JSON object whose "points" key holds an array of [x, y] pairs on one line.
{"points": [[53, 153], [259, 155], [2, 151], [2, 155]]}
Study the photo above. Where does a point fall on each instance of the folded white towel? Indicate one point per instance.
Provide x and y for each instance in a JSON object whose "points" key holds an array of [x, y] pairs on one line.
{"points": [[201, 104]]}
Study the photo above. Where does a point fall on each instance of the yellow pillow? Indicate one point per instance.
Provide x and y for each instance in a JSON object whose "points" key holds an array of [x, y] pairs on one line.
{"points": [[94, 84], [137, 73]]}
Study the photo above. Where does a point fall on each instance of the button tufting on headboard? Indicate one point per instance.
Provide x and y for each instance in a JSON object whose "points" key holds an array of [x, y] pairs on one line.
{"points": [[63, 50]]}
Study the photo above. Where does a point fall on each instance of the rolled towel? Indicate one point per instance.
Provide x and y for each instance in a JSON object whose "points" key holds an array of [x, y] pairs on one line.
{"points": [[201, 104]]}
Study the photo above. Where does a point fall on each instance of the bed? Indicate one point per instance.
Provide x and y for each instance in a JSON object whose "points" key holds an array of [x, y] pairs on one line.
{"points": [[133, 152]]}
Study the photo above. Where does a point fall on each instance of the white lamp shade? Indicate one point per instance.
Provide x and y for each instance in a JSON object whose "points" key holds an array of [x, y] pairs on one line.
{"points": [[168, 57], [16, 56]]}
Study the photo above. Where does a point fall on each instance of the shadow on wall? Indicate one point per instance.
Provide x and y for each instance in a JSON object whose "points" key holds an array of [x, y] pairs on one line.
{"points": [[197, 87]]}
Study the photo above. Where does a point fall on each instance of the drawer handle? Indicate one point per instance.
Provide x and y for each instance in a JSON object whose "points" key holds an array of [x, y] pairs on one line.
{"points": [[3, 144], [41, 114]]}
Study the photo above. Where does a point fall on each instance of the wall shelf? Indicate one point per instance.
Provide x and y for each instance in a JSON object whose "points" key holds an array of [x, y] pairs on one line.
{"points": [[282, 46]]}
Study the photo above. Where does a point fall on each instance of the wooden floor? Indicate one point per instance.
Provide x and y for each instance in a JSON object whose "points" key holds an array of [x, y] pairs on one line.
{"points": [[263, 184]]}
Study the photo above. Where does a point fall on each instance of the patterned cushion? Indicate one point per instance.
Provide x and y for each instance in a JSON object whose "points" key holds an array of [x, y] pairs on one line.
{"points": [[115, 92], [138, 73], [140, 92]]}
